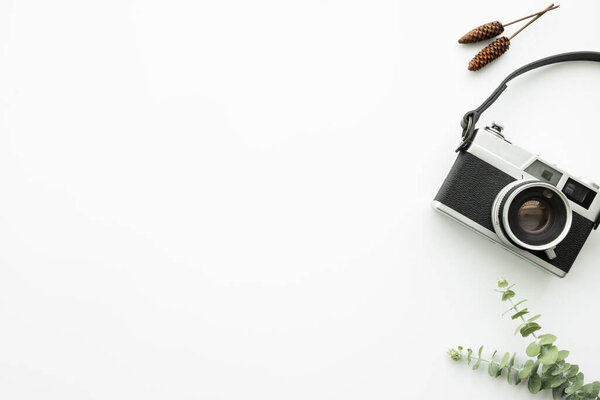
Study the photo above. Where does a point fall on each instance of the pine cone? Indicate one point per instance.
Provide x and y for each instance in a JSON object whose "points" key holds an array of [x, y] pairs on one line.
{"points": [[483, 32], [489, 53]]}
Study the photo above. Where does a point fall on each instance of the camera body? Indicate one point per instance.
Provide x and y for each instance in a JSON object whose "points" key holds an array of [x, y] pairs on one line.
{"points": [[512, 197]]}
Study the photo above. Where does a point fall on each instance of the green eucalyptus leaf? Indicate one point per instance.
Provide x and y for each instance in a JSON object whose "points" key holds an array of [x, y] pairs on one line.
{"points": [[469, 353], [557, 381], [591, 389], [492, 370], [528, 328], [558, 393], [509, 372], [572, 371], [548, 355], [562, 368], [563, 354], [547, 376], [534, 318], [504, 361], [519, 314], [502, 283], [526, 370], [535, 383], [478, 363], [576, 385], [545, 383], [492, 365], [547, 369], [508, 294], [546, 339], [533, 349]]}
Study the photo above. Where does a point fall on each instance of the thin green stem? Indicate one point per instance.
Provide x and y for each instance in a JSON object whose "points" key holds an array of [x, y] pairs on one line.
{"points": [[487, 361]]}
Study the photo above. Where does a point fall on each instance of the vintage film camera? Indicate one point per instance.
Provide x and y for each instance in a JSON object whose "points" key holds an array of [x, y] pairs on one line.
{"points": [[516, 199]]}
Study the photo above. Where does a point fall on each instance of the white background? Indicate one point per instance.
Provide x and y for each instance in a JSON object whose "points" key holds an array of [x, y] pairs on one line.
{"points": [[231, 199]]}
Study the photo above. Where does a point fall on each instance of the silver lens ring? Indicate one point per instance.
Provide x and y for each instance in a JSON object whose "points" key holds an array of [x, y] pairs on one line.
{"points": [[501, 217]]}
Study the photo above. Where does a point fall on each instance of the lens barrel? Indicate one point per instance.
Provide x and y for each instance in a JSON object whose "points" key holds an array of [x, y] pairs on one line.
{"points": [[531, 214]]}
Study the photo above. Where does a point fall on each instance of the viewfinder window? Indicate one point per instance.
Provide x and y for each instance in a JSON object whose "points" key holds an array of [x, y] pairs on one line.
{"points": [[544, 172]]}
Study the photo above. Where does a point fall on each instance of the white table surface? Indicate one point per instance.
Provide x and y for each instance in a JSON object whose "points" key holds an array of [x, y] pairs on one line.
{"points": [[231, 200]]}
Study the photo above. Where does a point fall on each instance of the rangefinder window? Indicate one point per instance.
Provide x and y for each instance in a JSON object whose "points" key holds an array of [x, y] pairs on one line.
{"points": [[544, 172], [578, 193]]}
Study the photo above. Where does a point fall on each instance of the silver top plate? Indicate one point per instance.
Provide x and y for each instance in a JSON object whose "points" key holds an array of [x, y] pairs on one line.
{"points": [[514, 161]]}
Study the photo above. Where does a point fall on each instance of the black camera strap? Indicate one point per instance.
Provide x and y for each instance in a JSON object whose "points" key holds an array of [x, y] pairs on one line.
{"points": [[470, 119]]}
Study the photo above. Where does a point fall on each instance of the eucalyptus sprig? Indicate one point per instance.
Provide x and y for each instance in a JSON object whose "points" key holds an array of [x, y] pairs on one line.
{"points": [[546, 367]]}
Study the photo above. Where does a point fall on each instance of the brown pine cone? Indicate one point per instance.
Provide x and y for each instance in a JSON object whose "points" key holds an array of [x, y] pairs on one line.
{"points": [[483, 32], [489, 53]]}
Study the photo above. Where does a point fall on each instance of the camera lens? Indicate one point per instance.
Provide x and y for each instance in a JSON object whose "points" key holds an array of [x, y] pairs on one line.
{"points": [[533, 215]]}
